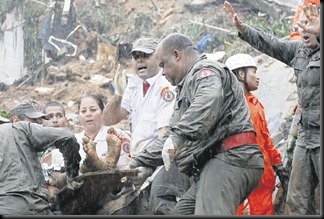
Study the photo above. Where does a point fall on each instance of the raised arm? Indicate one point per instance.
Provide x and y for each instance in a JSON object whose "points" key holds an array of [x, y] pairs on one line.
{"points": [[233, 18], [113, 112]]}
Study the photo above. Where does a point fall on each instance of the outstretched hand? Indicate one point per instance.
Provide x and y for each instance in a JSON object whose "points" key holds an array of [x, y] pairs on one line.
{"points": [[313, 26], [232, 17]]}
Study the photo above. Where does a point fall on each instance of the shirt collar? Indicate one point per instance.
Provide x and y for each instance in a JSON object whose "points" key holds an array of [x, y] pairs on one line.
{"points": [[153, 79]]}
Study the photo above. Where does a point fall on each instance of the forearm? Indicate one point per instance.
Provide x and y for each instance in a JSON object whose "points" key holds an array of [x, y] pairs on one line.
{"points": [[113, 112], [152, 156], [282, 50]]}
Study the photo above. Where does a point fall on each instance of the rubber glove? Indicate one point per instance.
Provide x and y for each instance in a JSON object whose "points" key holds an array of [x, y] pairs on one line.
{"points": [[120, 82]]}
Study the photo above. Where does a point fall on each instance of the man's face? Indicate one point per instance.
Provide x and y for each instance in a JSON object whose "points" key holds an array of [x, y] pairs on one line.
{"points": [[168, 64], [309, 40], [252, 79], [144, 64], [57, 118]]}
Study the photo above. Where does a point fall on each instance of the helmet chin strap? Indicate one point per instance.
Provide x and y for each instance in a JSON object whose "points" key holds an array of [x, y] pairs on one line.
{"points": [[244, 81]]}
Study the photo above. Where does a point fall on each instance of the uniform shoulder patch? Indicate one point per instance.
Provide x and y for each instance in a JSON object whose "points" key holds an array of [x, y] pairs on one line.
{"points": [[205, 72], [167, 95]]}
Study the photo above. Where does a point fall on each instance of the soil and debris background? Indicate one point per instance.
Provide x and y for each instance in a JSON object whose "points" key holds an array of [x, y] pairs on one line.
{"points": [[117, 24]]}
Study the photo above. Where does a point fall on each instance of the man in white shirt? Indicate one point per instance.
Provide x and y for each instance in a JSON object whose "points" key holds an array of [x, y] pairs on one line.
{"points": [[147, 102]]}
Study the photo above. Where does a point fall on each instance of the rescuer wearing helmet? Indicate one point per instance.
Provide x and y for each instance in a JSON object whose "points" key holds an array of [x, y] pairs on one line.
{"points": [[260, 200]]}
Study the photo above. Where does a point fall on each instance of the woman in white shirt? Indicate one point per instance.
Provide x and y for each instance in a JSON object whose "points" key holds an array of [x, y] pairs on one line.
{"points": [[96, 153]]}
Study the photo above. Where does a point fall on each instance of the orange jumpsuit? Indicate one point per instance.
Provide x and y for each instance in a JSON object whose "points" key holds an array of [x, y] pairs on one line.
{"points": [[294, 35], [260, 200]]}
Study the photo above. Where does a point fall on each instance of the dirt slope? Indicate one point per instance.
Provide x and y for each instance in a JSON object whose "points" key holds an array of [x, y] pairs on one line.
{"points": [[123, 21]]}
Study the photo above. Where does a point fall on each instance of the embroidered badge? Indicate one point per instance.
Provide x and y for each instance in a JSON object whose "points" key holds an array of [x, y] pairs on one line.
{"points": [[168, 96], [125, 145], [205, 73], [164, 90]]}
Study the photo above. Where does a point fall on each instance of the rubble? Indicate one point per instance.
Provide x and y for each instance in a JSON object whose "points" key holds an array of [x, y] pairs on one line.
{"points": [[92, 66]]}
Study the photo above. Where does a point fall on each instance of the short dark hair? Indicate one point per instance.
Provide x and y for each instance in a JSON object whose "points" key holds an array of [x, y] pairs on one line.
{"points": [[54, 104]]}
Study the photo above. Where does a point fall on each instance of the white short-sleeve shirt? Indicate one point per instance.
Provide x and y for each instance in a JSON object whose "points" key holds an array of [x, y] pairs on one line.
{"points": [[148, 114]]}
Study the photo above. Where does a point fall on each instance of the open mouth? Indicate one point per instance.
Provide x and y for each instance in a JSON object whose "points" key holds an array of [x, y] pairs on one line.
{"points": [[142, 68], [306, 39]]}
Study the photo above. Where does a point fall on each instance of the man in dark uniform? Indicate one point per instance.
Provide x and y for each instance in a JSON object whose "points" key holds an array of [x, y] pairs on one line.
{"points": [[304, 56], [211, 130], [22, 184]]}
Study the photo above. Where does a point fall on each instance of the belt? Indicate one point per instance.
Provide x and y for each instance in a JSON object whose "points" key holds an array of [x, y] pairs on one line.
{"points": [[238, 140]]}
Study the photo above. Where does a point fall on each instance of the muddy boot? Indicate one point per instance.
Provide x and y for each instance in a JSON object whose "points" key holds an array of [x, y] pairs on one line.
{"points": [[114, 146]]}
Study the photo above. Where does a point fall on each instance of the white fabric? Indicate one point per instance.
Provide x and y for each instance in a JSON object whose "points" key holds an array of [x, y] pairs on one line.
{"points": [[147, 114], [165, 153]]}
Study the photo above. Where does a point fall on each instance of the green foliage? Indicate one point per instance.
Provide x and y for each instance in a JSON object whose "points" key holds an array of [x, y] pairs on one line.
{"points": [[230, 42], [32, 50], [4, 114], [279, 28]]}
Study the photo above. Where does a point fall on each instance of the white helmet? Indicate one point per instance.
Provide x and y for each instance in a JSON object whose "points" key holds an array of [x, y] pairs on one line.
{"points": [[239, 61]]}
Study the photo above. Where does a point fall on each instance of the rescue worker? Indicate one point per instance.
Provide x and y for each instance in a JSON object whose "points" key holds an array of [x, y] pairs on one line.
{"points": [[147, 100], [210, 129], [304, 56], [29, 111], [260, 200], [22, 184]]}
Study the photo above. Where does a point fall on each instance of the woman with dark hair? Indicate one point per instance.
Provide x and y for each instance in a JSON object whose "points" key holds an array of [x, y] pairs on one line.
{"points": [[102, 147]]}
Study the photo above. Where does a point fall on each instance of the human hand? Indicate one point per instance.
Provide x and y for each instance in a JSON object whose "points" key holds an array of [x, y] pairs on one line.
{"points": [[52, 198], [72, 184], [142, 175], [121, 82], [168, 153], [283, 175], [313, 26], [232, 17]]}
